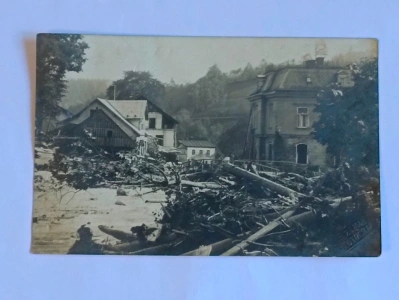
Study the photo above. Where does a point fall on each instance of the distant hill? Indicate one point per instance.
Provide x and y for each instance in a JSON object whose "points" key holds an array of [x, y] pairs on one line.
{"points": [[227, 120], [81, 92]]}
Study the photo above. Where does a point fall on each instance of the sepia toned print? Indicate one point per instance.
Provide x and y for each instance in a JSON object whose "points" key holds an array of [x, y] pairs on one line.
{"points": [[200, 146]]}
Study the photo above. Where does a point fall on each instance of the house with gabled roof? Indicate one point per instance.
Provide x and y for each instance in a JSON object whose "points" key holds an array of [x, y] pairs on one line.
{"points": [[52, 123], [282, 113], [196, 150], [119, 123]]}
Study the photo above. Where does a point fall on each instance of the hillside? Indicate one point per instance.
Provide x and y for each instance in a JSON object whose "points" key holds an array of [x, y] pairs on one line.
{"points": [[80, 92], [235, 103], [225, 123]]}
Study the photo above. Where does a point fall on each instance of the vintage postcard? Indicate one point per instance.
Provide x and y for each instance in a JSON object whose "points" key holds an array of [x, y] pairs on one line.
{"points": [[206, 146]]}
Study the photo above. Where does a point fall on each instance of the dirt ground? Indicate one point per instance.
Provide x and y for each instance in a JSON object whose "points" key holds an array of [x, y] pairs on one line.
{"points": [[57, 221]]}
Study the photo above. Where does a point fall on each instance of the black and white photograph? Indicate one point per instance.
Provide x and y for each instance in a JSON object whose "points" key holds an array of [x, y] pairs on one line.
{"points": [[206, 146]]}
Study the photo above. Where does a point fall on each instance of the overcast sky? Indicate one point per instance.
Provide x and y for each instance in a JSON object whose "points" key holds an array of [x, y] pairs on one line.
{"points": [[185, 59]]}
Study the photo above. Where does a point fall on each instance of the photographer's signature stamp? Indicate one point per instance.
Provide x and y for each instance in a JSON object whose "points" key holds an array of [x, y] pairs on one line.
{"points": [[354, 233]]}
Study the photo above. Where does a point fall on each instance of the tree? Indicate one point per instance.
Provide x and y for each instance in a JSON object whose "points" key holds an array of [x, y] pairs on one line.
{"points": [[56, 55], [136, 85], [209, 89], [231, 140], [248, 72], [348, 122], [176, 97]]}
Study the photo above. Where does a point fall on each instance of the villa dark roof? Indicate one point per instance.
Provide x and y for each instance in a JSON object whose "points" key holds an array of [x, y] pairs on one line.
{"points": [[298, 78], [197, 143]]}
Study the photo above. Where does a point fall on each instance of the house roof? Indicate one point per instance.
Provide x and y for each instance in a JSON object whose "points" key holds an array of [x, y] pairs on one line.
{"points": [[163, 112], [197, 143], [130, 109], [298, 78], [65, 111], [123, 110], [117, 114]]}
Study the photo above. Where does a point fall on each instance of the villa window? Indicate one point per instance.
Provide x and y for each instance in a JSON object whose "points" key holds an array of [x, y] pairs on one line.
{"points": [[302, 117]]}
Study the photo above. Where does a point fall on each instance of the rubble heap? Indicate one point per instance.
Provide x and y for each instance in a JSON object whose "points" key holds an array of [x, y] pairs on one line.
{"points": [[226, 209]]}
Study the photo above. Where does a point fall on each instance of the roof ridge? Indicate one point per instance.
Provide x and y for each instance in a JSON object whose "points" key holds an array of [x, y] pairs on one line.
{"points": [[198, 143], [116, 113]]}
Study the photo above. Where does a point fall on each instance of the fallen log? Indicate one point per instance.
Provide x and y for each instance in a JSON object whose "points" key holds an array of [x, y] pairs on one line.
{"points": [[118, 234], [219, 247], [308, 216], [216, 248], [269, 227], [155, 201], [285, 245], [278, 188], [127, 247], [229, 182], [267, 174], [166, 211], [186, 175], [301, 178], [206, 185], [152, 250], [333, 204], [201, 251], [222, 231]]}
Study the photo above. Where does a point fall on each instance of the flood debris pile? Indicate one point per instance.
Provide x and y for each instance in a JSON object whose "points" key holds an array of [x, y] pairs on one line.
{"points": [[225, 209], [81, 166], [237, 212]]}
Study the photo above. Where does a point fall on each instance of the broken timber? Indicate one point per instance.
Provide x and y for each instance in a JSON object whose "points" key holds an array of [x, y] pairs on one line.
{"points": [[278, 188], [207, 185], [287, 218], [118, 234], [269, 227], [218, 247]]}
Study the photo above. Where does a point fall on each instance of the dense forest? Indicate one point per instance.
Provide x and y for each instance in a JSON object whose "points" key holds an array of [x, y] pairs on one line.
{"points": [[213, 108]]}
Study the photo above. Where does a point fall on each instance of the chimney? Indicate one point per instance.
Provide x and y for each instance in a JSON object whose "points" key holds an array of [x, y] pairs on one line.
{"points": [[310, 63], [261, 80], [320, 61]]}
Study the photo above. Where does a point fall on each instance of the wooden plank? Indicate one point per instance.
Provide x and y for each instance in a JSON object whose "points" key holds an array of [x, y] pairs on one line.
{"points": [[278, 188], [290, 220], [207, 185], [269, 227]]}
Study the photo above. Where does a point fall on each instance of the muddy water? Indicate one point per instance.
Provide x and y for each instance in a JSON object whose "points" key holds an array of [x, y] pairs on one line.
{"points": [[57, 222]]}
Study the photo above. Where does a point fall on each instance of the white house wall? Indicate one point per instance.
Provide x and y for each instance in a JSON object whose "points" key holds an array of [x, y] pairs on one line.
{"points": [[197, 151], [158, 119], [168, 136], [135, 122]]}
